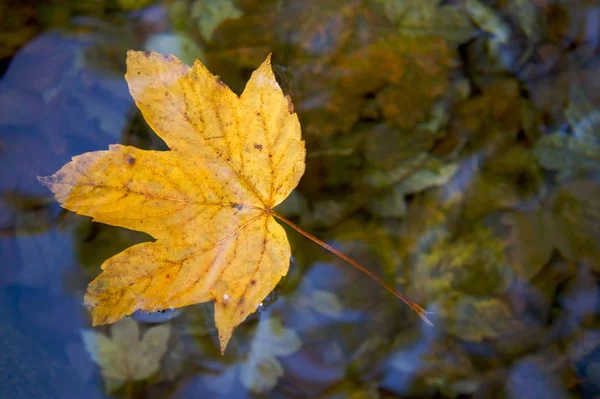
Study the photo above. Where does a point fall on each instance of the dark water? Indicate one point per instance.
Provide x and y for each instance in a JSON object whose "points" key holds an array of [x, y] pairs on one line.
{"points": [[453, 148]]}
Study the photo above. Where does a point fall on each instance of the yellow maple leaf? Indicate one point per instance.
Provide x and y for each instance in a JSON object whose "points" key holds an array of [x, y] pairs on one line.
{"points": [[208, 201]]}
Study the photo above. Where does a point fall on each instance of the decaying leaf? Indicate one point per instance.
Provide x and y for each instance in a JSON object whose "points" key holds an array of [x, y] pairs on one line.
{"points": [[261, 369], [311, 299], [574, 221], [391, 67], [487, 19], [474, 319], [531, 242], [392, 203], [208, 15], [346, 59], [207, 201], [530, 18], [568, 222], [429, 17], [491, 118], [124, 357], [579, 153]]}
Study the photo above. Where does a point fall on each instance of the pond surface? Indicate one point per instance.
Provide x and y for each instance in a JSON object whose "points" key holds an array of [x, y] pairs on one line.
{"points": [[453, 149]]}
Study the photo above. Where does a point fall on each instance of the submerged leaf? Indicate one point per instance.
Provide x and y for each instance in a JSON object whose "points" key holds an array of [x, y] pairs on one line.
{"points": [[473, 262], [531, 18], [488, 20], [392, 203], [568, 221], [429, 18], [124, 357], [346, 59], [206, 15], [412, 71], [463, 274], [180, 45], [326, 303], [491, 118], [574, 213], [262, 369], [475, 319], [530, 242], [577, 154]]}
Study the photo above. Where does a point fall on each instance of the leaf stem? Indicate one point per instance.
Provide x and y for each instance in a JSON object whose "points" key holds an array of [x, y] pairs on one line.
{"points": [[413, 305]]}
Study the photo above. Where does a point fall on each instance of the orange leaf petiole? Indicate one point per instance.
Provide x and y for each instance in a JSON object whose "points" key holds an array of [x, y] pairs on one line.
{"points": [[413, 305]]}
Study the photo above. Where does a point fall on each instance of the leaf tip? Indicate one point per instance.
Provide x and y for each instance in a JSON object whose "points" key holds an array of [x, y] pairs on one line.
{"points": [[224, 340]]}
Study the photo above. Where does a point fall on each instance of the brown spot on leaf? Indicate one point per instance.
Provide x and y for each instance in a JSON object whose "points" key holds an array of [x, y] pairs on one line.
{"points": [[131, 160], [259, 147], [290, 104]]}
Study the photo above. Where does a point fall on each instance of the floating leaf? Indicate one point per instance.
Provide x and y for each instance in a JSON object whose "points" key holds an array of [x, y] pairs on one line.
{"points": [[123, 356], [208, 200]]}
